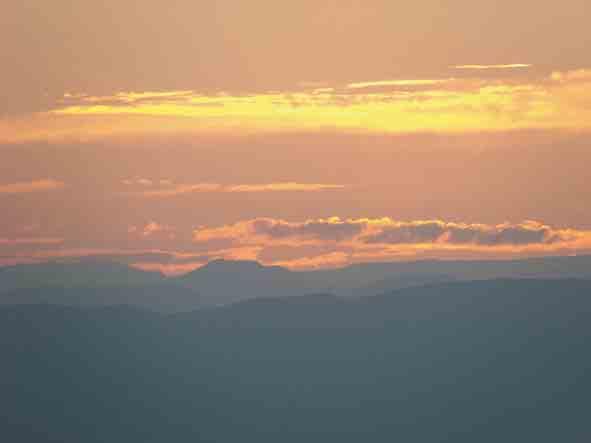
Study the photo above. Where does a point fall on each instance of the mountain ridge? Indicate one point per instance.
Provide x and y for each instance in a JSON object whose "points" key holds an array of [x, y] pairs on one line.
{"points": [[228, 281]]}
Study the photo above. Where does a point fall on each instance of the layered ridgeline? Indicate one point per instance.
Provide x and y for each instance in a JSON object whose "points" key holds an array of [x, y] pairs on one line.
{"points": [[481, 361], [221, 282]]}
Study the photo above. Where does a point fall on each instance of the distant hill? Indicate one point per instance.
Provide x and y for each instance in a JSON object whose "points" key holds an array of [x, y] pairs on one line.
{"points": [[364, 274], [462, 362], [81, 274], [222, 282]]}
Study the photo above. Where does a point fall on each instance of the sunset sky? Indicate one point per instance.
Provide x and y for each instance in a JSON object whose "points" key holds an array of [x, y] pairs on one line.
{"points": [[306, 134]]}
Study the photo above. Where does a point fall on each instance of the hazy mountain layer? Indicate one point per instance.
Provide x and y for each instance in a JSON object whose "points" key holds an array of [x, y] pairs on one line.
{"points": [[483, 362], [222, 282]]}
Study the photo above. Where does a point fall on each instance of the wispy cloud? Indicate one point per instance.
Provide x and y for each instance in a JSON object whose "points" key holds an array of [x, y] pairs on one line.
{"points": [[486, 67], [31, 186], [152, 229], [174, 190], [283, 187], [181, 189], [137, 181], [412, 82], [127, 97], [31, 241], [168, 269]]}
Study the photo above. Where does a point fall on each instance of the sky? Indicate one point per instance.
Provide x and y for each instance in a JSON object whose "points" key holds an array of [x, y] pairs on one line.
{"points": [[306, 134]]}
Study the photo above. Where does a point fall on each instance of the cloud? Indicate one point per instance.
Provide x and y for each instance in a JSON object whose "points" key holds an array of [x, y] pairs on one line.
{"points": [[31, 241], [168, 269], [313, 243], [174, 190], [149, 259], [260, 229], [387, 231], [138, 181], [127, 97], [381, 83], [316, 243], [283, 187], [367, 239], [152, 229], [331, 229], [487, 67], [240, 231], [31, 186], [578, 75], [497, 101], [440, 232], [333, 242], [183, 189], [330, 260]]}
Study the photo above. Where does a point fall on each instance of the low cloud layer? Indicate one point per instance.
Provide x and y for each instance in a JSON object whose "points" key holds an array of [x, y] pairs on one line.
{"points": [[332, 229], [437, 231], [334, 241], [386, 231], [314, 243], [31, 186]]}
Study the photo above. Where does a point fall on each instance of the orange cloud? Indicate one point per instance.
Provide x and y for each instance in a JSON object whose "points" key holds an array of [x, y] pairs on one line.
{"points": [[177, 264], [264, 230], [486, 67], [138, 181], [283, 187], [437, 231], [330, 260], [447, 105], [168, 269], [380, 83], [183, 189], [151, 229], [367, 239], [31, 241], [497, 102], [387, 231], [174, 190], [126, 97], [152, 256], [318, 243], [32, 186]]}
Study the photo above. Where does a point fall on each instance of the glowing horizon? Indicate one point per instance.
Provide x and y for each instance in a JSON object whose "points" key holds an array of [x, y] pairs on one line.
{"points": [[151, 124]]}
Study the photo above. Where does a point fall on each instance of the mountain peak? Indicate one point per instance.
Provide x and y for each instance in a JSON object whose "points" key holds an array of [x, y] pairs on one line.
{"points": [[223, 264], [237, 267]]}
